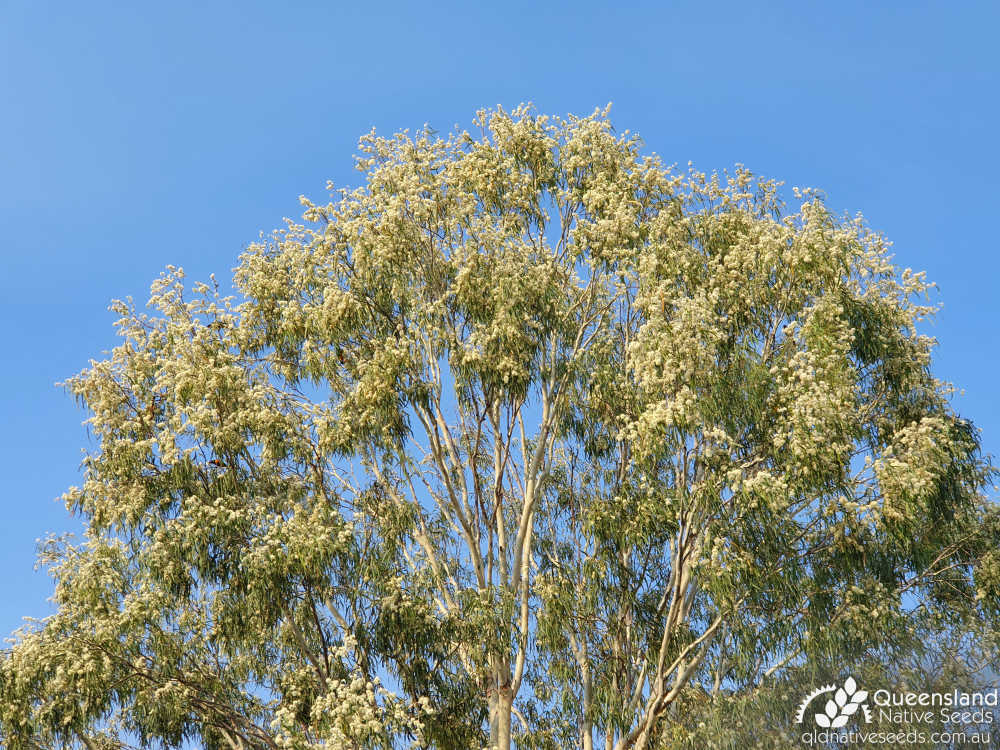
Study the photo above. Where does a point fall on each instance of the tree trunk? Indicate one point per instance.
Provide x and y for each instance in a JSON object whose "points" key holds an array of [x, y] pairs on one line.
{"points": [[501, 703], [504, 703], [588, 701]]}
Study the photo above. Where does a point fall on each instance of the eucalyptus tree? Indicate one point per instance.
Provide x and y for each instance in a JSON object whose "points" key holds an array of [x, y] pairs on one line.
{"points": [[528, 441]]}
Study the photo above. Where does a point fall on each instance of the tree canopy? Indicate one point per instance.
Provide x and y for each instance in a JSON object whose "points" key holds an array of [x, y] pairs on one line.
{"points": [[528, 441]]}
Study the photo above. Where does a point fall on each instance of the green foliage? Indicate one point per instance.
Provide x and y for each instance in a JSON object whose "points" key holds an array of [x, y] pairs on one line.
{"points": [[529, 440]]}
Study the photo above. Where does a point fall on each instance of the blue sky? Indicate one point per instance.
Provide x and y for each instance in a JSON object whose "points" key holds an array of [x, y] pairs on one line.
{"points": [[137, 135]]}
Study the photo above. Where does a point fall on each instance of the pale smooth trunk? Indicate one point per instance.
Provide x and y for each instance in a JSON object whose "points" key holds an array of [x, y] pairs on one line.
{"points": [[588, 702], [500, 713]]}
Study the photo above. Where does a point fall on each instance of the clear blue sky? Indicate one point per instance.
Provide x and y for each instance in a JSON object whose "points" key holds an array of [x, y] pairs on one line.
{"points": [[133, 135]]}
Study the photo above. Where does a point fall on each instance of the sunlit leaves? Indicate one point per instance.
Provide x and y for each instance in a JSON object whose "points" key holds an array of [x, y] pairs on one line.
{"points": [[530, 439]]}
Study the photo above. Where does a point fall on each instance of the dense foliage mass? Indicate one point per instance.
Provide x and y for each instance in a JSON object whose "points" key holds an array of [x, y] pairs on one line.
{"points": [[528, 441]]}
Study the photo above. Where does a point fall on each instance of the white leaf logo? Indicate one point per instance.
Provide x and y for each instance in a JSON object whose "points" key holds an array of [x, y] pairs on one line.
{"points": [[840, 708]]}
